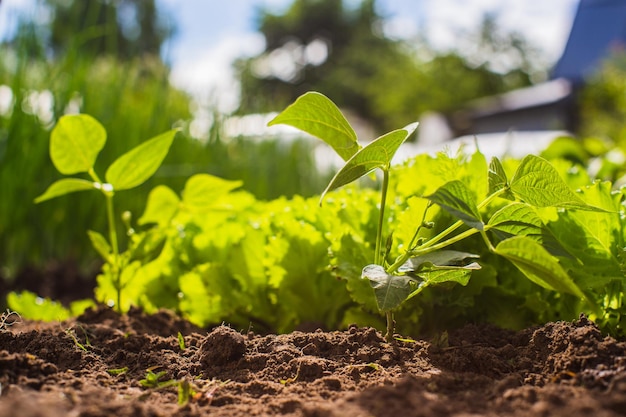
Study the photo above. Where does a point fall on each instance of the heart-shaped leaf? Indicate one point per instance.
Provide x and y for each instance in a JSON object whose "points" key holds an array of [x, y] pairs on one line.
{"points": [[537, 183], [377, 154], [390, 290], [317, 115], [140, 163], [75, 143]]}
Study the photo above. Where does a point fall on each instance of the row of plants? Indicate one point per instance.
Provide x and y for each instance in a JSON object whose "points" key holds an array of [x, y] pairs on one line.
{"points": [[447, 239]]}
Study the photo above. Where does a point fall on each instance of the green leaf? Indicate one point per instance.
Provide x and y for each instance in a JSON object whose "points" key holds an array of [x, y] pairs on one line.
{"points": [[100, 244], [377, 154], [161, 207], [441, 258], [497, 176], [317, 115], [75, 143], [65, 186], [593, 237], [458, 274], [140, 163], [32, 307], [537, 183], [520, 219], [147, 245], [455, 198], [390, 290], [537, 264], [202, 190]]}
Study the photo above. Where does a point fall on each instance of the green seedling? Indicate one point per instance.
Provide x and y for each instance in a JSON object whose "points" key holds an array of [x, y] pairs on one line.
{"points": [[181, 341], [522, 237], [75, 143], [72, 334], [117, 371], [154, 380]]}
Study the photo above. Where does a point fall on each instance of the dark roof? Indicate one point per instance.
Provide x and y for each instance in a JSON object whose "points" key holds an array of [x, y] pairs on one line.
{"points": [[599, 28]]}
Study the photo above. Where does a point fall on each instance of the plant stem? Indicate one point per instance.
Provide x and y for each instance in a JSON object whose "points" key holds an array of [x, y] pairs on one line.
{"points": [[391, 327], [115, 250], [431, 245], [381, 216], [427, 249]]}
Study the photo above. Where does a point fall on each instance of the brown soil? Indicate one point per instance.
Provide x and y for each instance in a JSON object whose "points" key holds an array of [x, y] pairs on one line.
{"points": [[68, 369]]}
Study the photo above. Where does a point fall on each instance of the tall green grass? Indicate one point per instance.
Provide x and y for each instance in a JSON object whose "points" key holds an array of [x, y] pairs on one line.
{"points": [[134, 101]]}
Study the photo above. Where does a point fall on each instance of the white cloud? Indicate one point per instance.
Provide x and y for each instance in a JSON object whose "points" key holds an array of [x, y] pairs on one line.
{"points": [[545, 24], [209, 75]]}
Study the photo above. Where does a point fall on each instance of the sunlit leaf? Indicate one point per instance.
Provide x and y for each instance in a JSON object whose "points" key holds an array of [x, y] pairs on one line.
{"points": [[32, 307], [455, 198], [377, 154], [536, 182], [497, 177], [140, 163], [537, 264], [317, 115], [202, 190], [65, 186], [161, 206], [75, 143], [100, 244]]}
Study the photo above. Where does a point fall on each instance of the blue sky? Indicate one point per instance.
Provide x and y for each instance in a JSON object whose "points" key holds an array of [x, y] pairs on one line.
{"points": [[212, 33]]}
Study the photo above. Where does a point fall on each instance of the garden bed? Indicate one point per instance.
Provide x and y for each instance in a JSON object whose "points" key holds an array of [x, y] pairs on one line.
{"points": [[93, 365]]}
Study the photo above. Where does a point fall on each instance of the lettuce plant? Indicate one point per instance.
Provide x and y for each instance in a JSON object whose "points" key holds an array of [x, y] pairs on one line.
{"points": [[75, 143], [520, 234]]}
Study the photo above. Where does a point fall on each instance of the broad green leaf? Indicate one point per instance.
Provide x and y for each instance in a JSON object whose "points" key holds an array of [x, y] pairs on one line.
{"points": [[537, 183], [316, 114], [390, 290], [517, 219], [75, 143], [455, 198], [377, 154], [140, 163], [520, 219], [202, 190], [593, 237], [161, 207], [537, 264], [65, 186], [438, 258], [100, 244], [497, 176]]}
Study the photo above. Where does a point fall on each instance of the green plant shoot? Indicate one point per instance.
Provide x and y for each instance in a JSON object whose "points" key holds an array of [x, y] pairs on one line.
{"points": [[521, 236], [75, 143]]}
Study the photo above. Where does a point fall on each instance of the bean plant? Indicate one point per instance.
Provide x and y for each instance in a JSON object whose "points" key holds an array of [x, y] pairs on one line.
{"points": [[75, 143], [516, 230]]}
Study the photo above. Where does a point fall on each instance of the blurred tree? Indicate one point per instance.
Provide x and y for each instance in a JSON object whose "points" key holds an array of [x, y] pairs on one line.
{"points": [[603, 101], [123, 28], [322, 45]]}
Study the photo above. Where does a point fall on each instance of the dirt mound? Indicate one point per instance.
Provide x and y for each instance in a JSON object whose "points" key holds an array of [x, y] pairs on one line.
{"points": [[103, 364]]}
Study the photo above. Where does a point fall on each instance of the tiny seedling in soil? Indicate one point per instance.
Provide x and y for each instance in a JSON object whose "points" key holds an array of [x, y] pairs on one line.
{"points": [[154, 380], [75, 143], [427, 262]]}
